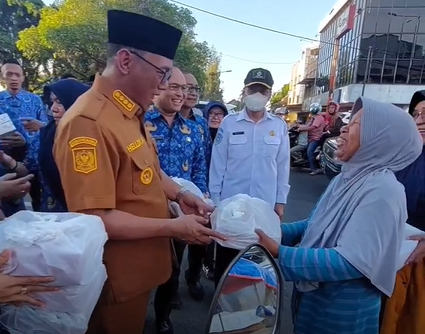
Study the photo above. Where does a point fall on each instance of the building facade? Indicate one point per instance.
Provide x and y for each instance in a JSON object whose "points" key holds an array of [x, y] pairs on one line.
{"points": [[373, 48], [303, 77]]}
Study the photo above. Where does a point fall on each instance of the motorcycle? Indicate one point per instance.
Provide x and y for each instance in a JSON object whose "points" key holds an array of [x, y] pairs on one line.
{"points": [[302, 160], [249, 296]]}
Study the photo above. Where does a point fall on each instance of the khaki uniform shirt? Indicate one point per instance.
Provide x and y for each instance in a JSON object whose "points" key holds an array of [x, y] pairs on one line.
{"points": [[107, 161]]}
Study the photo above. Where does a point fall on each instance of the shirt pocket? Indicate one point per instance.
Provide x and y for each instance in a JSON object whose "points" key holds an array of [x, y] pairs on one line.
{"points": [[271, 146], [144, 175], [236, 146]]}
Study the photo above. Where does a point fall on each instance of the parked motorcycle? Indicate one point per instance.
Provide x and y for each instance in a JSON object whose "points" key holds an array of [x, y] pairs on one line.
{"points": [[249, 297]]}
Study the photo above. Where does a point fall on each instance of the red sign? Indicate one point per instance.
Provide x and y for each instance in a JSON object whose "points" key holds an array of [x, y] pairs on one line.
{"points": [[345, 22]]}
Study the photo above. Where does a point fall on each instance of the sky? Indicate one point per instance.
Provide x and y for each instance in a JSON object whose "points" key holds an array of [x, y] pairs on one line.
{"points": [[243, 48]]}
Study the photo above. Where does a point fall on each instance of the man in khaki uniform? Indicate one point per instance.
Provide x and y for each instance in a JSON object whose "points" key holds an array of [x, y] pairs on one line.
{"points": [[109, 167]]}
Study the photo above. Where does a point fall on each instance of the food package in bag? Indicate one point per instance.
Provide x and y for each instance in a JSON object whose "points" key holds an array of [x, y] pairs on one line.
{"points": [[67, 246], [237, 218]]}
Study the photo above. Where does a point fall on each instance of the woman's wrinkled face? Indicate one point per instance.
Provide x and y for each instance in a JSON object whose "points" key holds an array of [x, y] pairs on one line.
{"points": [[57, 108], [349, 139], [419, 117], [215, 117]]}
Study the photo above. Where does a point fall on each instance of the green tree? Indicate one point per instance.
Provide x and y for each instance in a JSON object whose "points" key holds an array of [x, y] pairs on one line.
{"points": [[74, 32], [279, 96], [212, 88], [17, 15]]}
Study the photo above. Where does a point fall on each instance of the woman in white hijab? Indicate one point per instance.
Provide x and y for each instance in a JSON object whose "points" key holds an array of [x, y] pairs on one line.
{"points": [[349, 246]]}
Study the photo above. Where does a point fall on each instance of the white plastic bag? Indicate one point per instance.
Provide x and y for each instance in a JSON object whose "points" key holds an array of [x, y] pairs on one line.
{"points": [[67, 246], [237, 218], [407, 246]]}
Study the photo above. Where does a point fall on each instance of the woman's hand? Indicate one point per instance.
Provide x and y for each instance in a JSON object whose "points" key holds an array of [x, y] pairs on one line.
{"points": [[419, 253], [11, 187], [271, 245], [18, 289]]}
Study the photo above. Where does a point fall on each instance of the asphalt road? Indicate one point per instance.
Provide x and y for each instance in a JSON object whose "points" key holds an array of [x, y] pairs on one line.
{"points": [[191, 318]]}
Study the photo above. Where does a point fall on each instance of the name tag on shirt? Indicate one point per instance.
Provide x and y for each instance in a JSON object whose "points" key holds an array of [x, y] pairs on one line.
{"points": [[238, 133]]}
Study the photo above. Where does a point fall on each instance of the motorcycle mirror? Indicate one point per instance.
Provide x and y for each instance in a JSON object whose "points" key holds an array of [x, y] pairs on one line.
{"points": [[249, 295]]}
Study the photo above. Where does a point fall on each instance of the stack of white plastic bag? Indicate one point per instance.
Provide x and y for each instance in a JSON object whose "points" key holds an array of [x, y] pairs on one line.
{"points": [[191, 187], [407, 246], [237, 218], [67, 246]]}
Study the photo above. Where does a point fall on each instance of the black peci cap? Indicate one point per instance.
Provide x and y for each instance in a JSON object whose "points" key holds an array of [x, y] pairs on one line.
{"points": [[143, 33], [259, 76]]}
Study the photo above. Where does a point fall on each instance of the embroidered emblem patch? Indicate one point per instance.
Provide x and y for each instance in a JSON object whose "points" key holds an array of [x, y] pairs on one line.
{"points": [[146, 176], [84, 154]]}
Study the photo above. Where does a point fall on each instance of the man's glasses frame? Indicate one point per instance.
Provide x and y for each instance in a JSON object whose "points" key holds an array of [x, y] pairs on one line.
{"points": [[166, 74]]}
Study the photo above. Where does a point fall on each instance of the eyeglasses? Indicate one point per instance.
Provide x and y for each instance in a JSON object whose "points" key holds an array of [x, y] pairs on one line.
{"points": [[176, 87], [193, 89], [166, 74], [216, 114]]}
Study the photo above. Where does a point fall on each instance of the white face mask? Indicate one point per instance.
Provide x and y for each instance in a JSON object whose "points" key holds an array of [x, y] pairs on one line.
{"points": [[256, 102]]}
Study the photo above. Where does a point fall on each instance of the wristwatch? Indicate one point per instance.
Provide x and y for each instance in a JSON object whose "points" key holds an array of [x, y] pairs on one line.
{"points": [[180, 195]]}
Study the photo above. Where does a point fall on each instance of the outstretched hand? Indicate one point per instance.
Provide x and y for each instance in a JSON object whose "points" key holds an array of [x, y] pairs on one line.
{"points": [[419, 253], [271, 245]]}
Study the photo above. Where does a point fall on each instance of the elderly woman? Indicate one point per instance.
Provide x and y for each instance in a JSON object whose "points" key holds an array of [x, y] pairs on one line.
{"points": [[62, 95], [349, 246]]}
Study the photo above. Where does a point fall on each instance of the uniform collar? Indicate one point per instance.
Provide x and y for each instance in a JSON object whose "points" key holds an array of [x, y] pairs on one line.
{"points": [[105, 86], [243, 115], [6, 94], [155, 113]]}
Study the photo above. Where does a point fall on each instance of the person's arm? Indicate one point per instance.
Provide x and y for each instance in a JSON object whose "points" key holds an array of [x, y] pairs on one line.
{"points": [[218, 163], [171, 188], [315, 265], [292, 232], [283, 169], [317, 122], [91, 189], [199, 166]]}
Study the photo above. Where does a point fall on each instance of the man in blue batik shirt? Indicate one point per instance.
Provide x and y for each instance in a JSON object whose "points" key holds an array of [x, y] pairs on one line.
{"points": [[28, 114], [181, 154]]}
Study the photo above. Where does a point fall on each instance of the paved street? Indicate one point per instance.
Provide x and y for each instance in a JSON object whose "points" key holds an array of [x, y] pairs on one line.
{"points": [[191, 318]]}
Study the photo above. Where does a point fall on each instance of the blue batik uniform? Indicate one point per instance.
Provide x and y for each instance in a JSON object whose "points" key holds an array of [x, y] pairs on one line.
{"points": [[180, 148], [205, 133], [25, 104]]}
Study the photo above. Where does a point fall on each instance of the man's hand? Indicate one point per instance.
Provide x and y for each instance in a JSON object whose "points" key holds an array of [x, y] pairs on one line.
{"points": [[189, 228], [278, 208], [7, 161], [419, 253], [271, 245], [33, 125], [11, 187], [13, 140], [192, 204]]}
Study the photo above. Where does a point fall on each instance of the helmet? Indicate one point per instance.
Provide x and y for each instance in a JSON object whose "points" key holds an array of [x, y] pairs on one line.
{"points": [[315, 108]]}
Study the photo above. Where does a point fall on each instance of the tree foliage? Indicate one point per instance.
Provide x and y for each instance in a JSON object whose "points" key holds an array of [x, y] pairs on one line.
{"points": [[212, 87], [73, 34], [279, 96], [17, 15]]}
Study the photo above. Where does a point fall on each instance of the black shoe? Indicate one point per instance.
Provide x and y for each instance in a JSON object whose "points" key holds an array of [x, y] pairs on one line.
{"points": [[176, 303], [164, 327], [196, 290]]}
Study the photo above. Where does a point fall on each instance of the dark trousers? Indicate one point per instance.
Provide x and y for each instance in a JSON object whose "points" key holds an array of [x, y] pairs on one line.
{"points": [[209, 259], [224, 256], [167, 291]]}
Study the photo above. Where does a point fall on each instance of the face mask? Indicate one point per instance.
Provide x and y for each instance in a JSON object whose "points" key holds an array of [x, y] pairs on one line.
{"points": [[256, 102]]}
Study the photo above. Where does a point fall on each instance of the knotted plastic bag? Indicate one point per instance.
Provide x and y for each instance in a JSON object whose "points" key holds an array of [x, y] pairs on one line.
{"points": [[237, 218], [67, 246]]}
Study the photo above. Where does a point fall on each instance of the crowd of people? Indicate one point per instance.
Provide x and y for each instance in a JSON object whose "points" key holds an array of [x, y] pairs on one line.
{"points": [[111, 149]]}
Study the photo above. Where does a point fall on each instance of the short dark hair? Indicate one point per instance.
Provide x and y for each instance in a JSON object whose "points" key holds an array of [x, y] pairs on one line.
{"points": [[112, 50], [11, 61], [68, 76]]}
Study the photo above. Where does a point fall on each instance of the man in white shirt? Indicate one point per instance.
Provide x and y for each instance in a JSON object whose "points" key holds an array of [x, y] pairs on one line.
{"points": [[250, 154]]}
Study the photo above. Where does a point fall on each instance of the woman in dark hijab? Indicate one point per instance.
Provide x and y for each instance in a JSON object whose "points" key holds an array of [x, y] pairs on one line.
{"points": [[61, 94], [413, 177]]}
